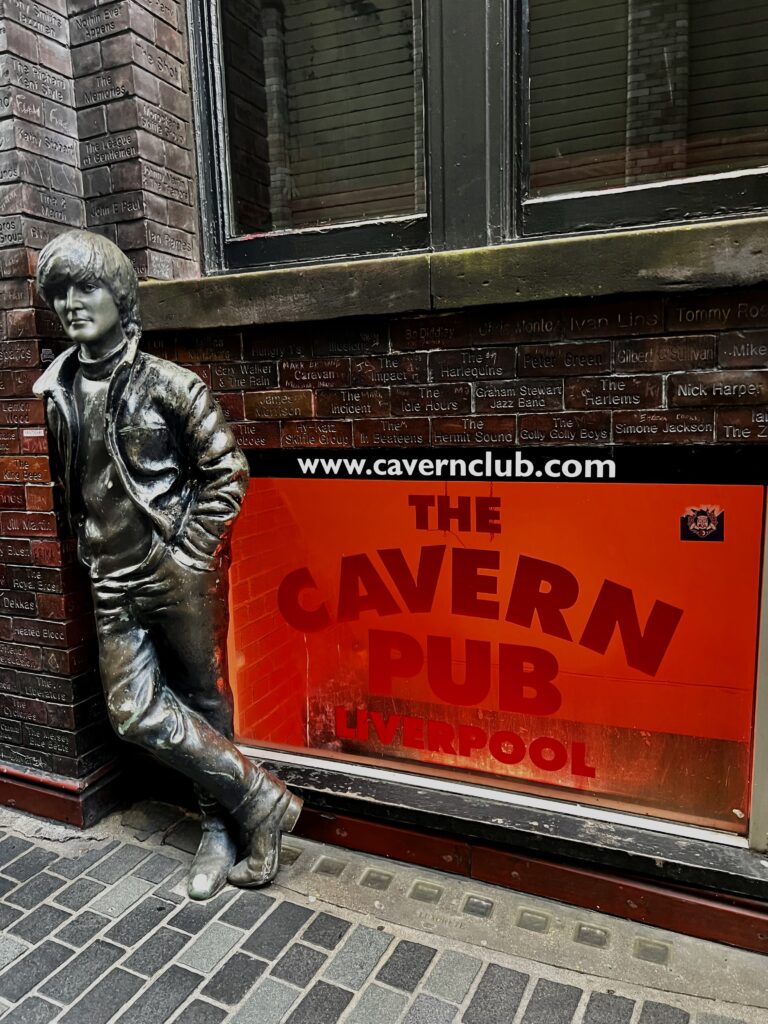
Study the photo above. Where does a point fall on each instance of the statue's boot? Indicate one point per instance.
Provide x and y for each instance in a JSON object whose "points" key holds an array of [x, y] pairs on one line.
{"points": [[216, 853], [267, 812]]}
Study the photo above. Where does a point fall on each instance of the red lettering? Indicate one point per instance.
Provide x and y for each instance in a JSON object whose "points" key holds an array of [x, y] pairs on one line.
{"points": [[548, 754], [413, 733], [644, 649], [487, 515], [471, 737], [343, 730], [461, 512], [579, 764], [385, 730], [422, 503], [304, 619], [440, 737], [467, 583], [362, 724], [524, 669], [477, 672], [528, 598], [357, 571], [391, 656], [418, 593], [507, 747]]}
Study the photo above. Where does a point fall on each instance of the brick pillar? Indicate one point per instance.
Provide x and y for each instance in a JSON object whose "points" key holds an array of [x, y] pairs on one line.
{"points": [[56, 751], [657, 89], [134, 115]]}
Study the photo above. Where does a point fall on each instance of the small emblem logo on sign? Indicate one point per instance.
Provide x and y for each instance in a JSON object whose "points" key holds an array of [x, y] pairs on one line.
{"points": [[704, 523]]}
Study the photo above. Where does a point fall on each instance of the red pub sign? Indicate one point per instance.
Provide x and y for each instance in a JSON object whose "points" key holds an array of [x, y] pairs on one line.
{"points": [[590, 641]]}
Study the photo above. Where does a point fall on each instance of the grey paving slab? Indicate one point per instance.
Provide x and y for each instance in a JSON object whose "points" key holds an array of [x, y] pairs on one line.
{"points": [[497, 997], [30, 864], [10, 950], [429, 1010], [452, 976], [140, 921], [105, 999], [7, 916], [37, 889], [712, 1018], [282, 925], [39, 923], [165, 995], [552, 1003], [605, 1008], [6, 884], [121, 896], [157, 868], [358, 957], [81, 972], [82, 928], [32, 1011], [247, 908], [326, 930], [377, 1005], [661, 1013], [118, 864], [407, 965], [78, 893], [201, 1012], [11, 847], [193, 917], [211, 947], [31, 969], [148, 817], [234, 980], [299, 964], [157, 951], [268, 1003], [71, 867], [323, 1004]]}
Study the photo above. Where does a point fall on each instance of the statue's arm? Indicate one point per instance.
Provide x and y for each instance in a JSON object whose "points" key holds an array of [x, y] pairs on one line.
{"points": [[220, 472]]}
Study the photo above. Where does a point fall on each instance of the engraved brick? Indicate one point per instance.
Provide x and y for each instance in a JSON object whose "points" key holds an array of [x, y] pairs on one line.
{"points": [[55, 741], [161, 64], [432, 400], [93, 25], [718, 387], [25, 469], [554, 360], [275, 344], [10, 442], [37, 18], [607, 319], [40, 81], [489, 326], [15, 551], [105, 86], [392, 433], [315, 373], [315, 434], [469, 431], [696, 352], [351, 336], [743, 349], [257, 435], [10, 732], [69, 662], [45, 142], [61, 606], [11, 496], [565, 428], [73, 767], [49, 633], [278, 405], [385, 370], [165, 9], [21, 656], [135, 112], [692, 427], [613, 392], [12, 603], [54, 553], [519, 396], [209, 348], [232, 405], [116, 208], [243, 376], [365, 402], [49, 688], [42, 580], [39, 499], [21, 413], [743, 308], [109, 149], [157, 236], [737, 425], [28, 524], [34, 440], [472, 365]]}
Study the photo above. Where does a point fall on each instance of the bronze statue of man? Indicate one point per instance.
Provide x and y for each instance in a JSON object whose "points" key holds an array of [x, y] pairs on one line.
{"points": [[153, 481]]}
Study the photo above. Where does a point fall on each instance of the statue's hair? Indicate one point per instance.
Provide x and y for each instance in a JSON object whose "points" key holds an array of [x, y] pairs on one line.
{"points": [[83, 257]]}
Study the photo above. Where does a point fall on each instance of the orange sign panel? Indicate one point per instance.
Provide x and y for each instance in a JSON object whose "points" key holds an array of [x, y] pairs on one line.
{"points": [[590, 641]]}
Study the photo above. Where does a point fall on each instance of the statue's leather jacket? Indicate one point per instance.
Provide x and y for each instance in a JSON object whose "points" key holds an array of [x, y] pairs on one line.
{"points": [[174, 451]]}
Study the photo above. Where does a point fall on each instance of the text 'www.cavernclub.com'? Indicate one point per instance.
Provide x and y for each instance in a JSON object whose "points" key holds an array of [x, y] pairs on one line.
{"points": [[483, 466]]}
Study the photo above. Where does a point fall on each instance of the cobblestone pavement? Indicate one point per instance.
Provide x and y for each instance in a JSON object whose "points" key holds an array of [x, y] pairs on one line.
{"points": [[96, 928]]}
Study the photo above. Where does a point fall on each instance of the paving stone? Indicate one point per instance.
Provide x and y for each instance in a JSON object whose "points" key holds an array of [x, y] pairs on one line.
{"points": [[105, 999], [184, 836], [299, 965], [6, 884], [148, 817], [428, 1010], [497, 997], [406, 966], [76, 895], [168, 890], [82, 928], [235, 979], [140, 921], [267, 1005], [35, 891], [40, 923], [452, 976], [120, 897], [30, 864], [11, 847], [193, 917], [323, 1004], [660, 1013], [71, 867], [277, 930], [119, 863], [378, 1005], [201, 1012], [7, 916], [162, 998], [210, 949], [246, 910], [157, 868], [358, 957], [552, 1003], [712, 1018], [31, 969], [32, 1011], [326, 931], [608, 1009], [10, 950], [76, 976], [156, 951]]}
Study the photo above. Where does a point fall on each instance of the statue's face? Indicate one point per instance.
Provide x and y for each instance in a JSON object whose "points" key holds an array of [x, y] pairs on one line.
{"points": [[88, 313]]}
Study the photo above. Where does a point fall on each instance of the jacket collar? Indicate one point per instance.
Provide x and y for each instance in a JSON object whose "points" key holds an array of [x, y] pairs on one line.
{"points": [[61, 373]]}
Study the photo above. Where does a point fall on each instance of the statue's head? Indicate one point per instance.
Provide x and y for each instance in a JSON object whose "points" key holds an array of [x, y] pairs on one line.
{"points": [[91, 285]]}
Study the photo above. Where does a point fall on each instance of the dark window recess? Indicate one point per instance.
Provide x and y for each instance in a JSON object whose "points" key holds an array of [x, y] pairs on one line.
{"points": [[324, 112], [627, 92]]}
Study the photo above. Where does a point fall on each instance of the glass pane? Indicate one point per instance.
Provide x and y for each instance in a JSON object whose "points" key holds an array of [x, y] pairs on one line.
{"points": [[630, 91], [590, 641], [324, 111]]}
